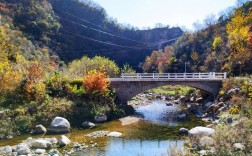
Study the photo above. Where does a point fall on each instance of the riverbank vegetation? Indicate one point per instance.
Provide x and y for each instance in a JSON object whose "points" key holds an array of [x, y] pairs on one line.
{"points": [[36, 92]]}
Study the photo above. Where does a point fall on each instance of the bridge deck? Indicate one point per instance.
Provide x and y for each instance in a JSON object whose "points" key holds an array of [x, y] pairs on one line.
{"points": [[171, 77]]}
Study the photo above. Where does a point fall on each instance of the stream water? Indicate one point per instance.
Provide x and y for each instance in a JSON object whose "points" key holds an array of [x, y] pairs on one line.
{"points": [[155, 135]]}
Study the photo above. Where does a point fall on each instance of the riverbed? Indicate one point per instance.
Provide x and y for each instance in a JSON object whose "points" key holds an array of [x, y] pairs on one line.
{"points": [[155, 134]]}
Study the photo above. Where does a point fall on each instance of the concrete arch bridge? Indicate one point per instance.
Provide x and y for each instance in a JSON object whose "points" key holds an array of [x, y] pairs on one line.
{"points": [[129, 85]]}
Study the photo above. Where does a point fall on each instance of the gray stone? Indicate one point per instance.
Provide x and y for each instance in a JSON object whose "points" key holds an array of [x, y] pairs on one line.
{"points": [[238, 147], [63, 141], [114, 134], [182, 116], [40, 129], [233, 91], [199, 100], [97, 134], [183, 131], [7, 150], [23, 149], [87, 124], [59, 125], [206, 142], [53, 152], [41, 144], [100, 118], [208, 104], [169, 104], [40, 151], [199, 130]]}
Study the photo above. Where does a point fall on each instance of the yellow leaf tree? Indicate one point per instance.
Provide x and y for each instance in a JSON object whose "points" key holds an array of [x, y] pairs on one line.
{"points": [[95, 82]]}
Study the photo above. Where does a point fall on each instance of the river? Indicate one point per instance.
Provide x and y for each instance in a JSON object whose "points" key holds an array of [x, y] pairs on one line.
{"points": [[155, 135]]}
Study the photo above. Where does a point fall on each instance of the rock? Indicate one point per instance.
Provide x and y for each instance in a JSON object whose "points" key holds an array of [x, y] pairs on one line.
{"points": [[176, 102], [199, 130], [229, 120], [169, 104], [182, 116], [192, 99], [40, 151], [114, 134], [210, 151], [59, 125], [53, 152], [40, 129], [183, 131], [41, 144], [63, 141], [208, 104], [7, 150], [182, 99], [238, 147], [87, 124], [100, 118], [23, 149], [97, 134], [233, 91], [206, 142], [199, 100], [52, 140]]}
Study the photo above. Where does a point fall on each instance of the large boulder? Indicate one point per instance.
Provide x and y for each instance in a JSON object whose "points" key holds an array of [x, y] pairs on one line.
{"points": [[87, 125], [23, 149], [41, 144], [199, 130], [114, 134], [40, 129], [206, 142], [100, 118], [59, 125], [7, 150], [63, 141]]}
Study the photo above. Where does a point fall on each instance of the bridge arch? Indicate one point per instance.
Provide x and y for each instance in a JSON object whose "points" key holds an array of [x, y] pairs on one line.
{"points": [[125, 90]]}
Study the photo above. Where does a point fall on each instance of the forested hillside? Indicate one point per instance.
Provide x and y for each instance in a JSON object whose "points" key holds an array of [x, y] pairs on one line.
{"points": [[69, 29], [224, 45]]}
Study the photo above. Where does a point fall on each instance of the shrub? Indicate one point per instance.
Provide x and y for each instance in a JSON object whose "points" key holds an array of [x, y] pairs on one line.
{"points": [[95, 82]]}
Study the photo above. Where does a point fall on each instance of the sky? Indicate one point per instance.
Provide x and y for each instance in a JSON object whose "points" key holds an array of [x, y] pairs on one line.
{"points": [[146, 13]]}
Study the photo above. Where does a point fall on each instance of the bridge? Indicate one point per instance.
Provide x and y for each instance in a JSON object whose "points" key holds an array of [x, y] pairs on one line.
{"points": [[129, 85]]}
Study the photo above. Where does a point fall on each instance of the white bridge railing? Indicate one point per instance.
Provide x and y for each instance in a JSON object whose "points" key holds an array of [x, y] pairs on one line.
{"points": [[177, 76]]}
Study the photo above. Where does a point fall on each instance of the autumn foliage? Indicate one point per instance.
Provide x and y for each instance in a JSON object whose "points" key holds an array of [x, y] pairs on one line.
{"points": [[95, 81], [9, 78], [34, 86]]}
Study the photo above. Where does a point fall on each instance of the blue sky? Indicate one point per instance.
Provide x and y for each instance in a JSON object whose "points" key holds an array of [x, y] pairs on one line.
{"points": [[146, 13]]}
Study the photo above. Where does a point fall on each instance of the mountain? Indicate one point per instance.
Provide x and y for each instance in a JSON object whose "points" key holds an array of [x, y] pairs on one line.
{"points": [[69, 29], [224, 45]]}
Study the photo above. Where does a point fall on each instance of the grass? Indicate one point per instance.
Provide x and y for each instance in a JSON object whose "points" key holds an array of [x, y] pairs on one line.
{"points": [[172, 90]]}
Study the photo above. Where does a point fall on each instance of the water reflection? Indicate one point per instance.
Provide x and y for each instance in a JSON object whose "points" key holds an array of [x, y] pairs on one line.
{"points": [[125, 147], [157, 112]]}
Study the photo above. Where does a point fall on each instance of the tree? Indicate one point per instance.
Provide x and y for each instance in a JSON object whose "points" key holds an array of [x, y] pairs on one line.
{"points": [[238, 30], [127, 69], [35, 88], [9, 77], [95, 82]]}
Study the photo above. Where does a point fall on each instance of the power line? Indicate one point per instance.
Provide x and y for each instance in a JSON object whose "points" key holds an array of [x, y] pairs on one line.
{"points": [[67, 13], [112, 44], [110, 34]]}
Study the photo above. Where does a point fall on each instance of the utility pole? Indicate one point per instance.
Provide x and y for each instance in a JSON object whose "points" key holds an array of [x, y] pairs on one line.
{"points": [[185, 67]]}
